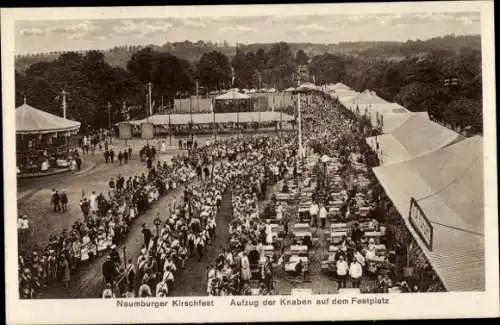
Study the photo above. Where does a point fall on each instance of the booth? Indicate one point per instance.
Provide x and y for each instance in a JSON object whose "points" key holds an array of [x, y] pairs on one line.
{"points": [[42, 141]]}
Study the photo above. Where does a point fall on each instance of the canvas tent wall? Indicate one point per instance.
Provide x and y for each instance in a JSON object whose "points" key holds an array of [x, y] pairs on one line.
{"points": [[448, 186], [417, 135]]}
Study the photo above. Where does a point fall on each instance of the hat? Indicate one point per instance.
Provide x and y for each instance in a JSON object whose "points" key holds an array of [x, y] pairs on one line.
{"points": [[371, 241]]}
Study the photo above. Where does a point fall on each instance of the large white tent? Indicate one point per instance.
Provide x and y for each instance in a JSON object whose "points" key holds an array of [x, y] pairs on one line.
{"points": [[448, 186], [417, 135]]}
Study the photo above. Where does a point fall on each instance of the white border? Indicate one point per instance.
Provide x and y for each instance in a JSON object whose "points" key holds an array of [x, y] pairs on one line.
{"points": [[436, 305]]}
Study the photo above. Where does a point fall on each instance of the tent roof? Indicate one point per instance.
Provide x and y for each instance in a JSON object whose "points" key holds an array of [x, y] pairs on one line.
{"points": [[231, 95], [208, 118], [392, 121], [448, 185], [340, 85], [30, 120], [417, 135], [383, 108], [368, 97], [345, 98], [306, 86]]}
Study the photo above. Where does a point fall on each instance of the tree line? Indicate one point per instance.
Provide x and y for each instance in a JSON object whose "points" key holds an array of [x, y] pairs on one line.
{"points": [[418, 82]]}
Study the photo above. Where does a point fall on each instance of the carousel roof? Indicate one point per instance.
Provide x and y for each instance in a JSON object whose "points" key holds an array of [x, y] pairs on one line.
{"points": [[30, 120]]}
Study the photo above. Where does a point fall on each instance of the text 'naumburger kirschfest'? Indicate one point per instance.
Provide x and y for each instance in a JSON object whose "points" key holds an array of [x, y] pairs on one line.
{"points": [[244, 302]]}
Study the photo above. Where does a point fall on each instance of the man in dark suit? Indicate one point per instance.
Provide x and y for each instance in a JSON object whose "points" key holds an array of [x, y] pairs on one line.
{"points": [[109, 270]]}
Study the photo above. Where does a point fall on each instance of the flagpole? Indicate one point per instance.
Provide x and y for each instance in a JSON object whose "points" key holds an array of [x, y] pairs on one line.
{"points": [[149, 101], [191, 116], [300, 124], [258, 123], [214, 127], [197, 97], [169, 128], [64, 103]]}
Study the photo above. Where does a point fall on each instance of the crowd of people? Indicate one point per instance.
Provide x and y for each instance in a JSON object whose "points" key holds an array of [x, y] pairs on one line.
{"points": [[245, 166], [106, 219], [242, 267]]}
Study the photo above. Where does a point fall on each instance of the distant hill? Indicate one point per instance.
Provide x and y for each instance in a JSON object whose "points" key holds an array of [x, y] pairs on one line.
{"points": [[192, 51]]}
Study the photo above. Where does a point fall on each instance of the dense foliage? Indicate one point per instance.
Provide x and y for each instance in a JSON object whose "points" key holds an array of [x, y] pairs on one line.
{"points": [[413, 74]]}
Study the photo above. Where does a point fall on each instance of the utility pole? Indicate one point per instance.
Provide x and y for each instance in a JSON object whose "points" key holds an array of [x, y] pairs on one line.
{"points": [[64, 105], [300, 121], [109, 115], [197, 96], [191, 117], [150, 110]]}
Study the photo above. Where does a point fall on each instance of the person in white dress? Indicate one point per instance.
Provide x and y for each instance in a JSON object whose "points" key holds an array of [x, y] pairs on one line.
{"points": [[93, 202], [269, 233], [246, 274]]}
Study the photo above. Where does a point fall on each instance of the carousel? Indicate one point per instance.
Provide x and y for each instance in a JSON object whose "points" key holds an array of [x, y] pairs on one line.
{"points": [[42, 142]]}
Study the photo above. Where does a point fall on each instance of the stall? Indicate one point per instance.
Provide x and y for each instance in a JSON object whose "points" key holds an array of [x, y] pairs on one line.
{"points": [[42, 141], [440, 198]]}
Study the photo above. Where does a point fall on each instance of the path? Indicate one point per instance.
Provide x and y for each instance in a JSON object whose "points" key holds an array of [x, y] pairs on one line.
{"points": [[192, 281]]}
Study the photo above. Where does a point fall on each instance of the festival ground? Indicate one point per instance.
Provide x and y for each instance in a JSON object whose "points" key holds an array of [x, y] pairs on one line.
{"points": [[86, 281]]}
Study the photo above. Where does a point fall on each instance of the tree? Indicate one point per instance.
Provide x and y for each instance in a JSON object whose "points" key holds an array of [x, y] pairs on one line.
{"points": [[214, 70], [282, 65], [243, 69], [301, 58], [142, 63], [170, 75]]}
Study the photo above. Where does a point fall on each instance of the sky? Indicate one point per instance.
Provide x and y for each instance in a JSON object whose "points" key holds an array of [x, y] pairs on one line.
{"points": [[58, 35]]}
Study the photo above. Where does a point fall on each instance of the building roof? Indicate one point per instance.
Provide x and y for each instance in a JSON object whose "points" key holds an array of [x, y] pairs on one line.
{"points": [[417, 135], [30, 120], [208, 118], [448, 185]]}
